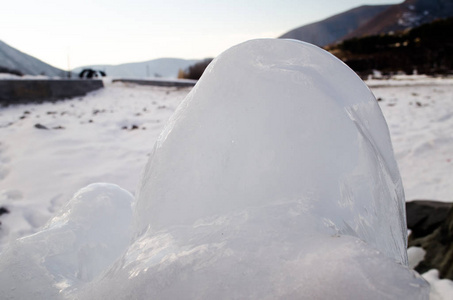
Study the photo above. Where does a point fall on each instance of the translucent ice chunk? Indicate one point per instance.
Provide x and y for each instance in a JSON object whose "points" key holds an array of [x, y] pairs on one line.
{"points": [[276, 121], [274, 179]]}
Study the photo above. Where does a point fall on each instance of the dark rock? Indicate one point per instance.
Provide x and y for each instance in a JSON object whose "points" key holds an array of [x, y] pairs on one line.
{"points": [[39, 126], [439, 248], [134, 127], [424, 216], [97, 111], [3, 210]]}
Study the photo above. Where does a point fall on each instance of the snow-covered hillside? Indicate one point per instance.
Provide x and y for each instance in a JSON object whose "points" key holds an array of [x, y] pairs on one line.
{"points": [[405, 15], [162, 67], [12, 58], [107, 136], [332, 29]]}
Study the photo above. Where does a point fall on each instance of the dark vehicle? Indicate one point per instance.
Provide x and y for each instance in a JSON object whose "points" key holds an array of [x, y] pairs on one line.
{"points": [[90, 73]]}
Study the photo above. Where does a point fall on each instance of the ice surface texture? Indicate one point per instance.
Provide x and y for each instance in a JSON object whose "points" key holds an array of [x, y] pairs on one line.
{"points": [[274, 122], [275, 178]]}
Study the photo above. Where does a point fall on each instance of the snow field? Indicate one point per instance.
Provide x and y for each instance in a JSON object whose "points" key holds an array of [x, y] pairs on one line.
{"points": [[420, 119], [89, 139]]}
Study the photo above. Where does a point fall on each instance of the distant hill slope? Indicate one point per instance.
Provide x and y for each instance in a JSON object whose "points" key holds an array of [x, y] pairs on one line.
{"points": [[162, 67], [13, 59], [427, 48], [409, 14], [334, 28]]}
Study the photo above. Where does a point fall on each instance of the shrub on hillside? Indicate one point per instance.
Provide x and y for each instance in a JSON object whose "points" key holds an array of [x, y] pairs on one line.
{"points": [[427, 49], [194, 71], [10, 71]]}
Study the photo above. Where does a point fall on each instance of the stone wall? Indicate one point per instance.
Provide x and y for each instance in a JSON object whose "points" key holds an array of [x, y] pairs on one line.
{"points": [[157, 82], [26, 91]]}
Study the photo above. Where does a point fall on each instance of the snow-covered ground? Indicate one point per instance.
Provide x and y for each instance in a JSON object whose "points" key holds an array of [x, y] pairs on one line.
{"points": [[419, 114], [105, 136], [108, 135]]}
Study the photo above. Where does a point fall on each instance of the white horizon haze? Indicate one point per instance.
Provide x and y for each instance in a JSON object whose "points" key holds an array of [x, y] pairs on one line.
{"points": [[69, 34]]}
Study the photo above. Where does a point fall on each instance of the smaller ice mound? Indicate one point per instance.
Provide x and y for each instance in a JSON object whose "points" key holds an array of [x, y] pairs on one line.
{"points": [[86, 237]]}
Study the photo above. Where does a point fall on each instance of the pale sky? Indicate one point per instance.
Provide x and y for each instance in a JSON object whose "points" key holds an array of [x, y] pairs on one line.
{"points": [[123, 31]]}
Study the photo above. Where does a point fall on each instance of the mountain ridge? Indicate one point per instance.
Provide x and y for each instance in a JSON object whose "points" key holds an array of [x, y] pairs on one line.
{"points": [[160, 67], [368, 20], [403, 16], [333, 28], [13, 59]]}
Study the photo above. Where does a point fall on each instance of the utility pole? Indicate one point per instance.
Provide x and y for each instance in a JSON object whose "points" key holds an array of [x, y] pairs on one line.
{"points": [[69, 65]]}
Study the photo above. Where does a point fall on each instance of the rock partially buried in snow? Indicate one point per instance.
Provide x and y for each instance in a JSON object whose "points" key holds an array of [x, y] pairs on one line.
{"points": [[425, 216], [274, 179], [438, 247]]}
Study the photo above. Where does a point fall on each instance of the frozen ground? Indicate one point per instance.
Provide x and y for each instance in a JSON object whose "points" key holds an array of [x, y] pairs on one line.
{"points": [[419, 114], [107, 136]]}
